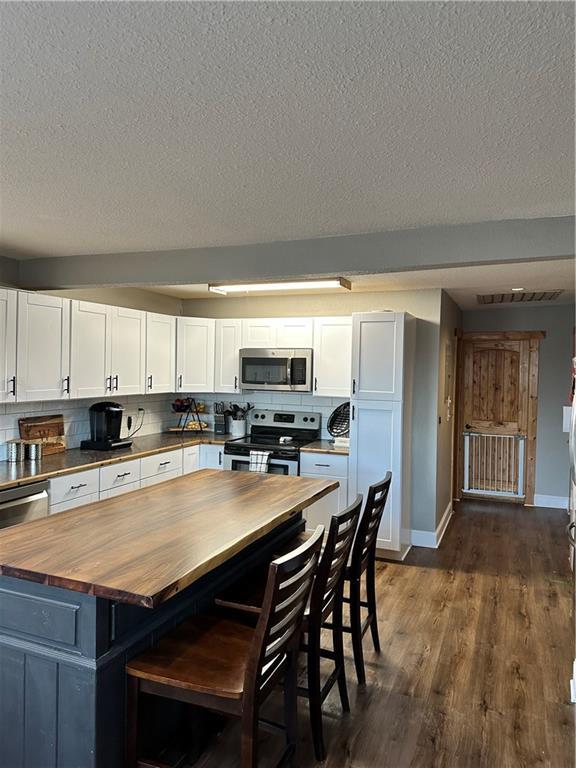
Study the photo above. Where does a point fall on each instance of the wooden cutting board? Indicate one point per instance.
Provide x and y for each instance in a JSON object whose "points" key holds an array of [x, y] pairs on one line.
{"points": [[49, 430]]}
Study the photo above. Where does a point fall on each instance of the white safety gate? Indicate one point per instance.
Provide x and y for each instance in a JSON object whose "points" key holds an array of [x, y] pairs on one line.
{"points": [[494, 464]]}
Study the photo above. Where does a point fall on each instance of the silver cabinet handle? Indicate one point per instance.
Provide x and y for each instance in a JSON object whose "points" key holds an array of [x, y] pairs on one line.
{"points": [[315, 384], [219, 458], [180, 381], [80, 485], [353, 412], [67, 385], [124, 474], [321, 465], [116, 383], [165, 463], [235, 382], [353, 386], [12, 386], [108, 383], [570, 532], [150, 381]]}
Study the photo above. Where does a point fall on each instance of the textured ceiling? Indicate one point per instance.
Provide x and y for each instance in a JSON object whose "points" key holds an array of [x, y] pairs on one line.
{"points": [[462, 283], [144, 126]]}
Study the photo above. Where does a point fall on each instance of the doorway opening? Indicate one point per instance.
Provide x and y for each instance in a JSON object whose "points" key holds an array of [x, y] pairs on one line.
{"points": [[497, 411]]}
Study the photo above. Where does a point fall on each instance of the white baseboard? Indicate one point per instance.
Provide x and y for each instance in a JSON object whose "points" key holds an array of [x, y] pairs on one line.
{"points": [[553, 502], [432, 539]]}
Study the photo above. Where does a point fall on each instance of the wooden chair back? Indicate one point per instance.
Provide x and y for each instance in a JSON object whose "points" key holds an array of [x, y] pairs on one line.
{"points": [[333, 561], [364, 547], [290, 580]]}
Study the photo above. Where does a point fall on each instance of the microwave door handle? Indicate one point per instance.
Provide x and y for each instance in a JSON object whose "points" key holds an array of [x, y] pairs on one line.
{"points": [[289, 373]]}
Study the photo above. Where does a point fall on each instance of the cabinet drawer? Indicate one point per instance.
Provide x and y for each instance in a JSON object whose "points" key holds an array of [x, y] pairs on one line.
{"points": [[70, 487], [73, 503], [161, 478], [119, 474], [330, 464], [191, 459], [119, 490], [160, 463]]}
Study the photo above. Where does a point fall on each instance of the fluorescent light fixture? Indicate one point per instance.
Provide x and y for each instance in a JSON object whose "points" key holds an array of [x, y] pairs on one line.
{"points": [[517, 290], [293, 285]]}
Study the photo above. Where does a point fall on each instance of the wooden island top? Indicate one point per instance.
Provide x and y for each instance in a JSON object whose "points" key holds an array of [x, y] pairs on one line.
{"points": [[146, 546]]}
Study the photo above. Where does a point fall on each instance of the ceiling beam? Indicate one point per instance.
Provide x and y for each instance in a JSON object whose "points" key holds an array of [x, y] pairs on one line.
{"points": [[484, 243]]}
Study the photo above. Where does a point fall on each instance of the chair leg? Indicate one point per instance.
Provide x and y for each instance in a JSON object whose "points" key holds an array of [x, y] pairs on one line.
{"points": [[372, 608], [338, 644], [356, 626], [249, 739], [132, 701], [315, 693], [291, 708]]}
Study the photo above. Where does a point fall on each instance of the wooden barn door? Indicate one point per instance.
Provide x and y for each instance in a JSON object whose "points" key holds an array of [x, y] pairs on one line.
{"points": [[497, 407]]}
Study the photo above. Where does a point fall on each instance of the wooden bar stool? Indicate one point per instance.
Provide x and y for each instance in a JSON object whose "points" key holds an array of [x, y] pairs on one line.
{"points": [[326, 600], [363, 560], [228, 667]]}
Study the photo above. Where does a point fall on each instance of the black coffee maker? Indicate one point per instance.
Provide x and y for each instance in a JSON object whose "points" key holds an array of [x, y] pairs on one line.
{"points": [[105, 426]]}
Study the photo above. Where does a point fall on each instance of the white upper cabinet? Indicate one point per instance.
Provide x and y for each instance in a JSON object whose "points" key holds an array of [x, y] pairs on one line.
{"points": [[377, 353], [296, 332], [160, 352], [283, 332], [90, 348], [195, 342], [332, 356], [259, 333], [128, 351], [8, 304], [228, 343], [43, 347]]}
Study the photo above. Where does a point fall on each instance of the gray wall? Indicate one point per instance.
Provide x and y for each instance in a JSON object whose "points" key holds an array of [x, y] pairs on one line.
{"points": [[553, 382], [133, 298], [450, 320], [424, 305]]}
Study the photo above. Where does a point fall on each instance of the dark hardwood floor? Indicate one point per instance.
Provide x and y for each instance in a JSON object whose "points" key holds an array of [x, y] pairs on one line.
{"points": [[477, 644]]}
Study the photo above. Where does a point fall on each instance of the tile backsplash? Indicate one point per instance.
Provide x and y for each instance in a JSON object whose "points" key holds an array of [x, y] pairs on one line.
{"points": [[280, 401], [157, 414]]}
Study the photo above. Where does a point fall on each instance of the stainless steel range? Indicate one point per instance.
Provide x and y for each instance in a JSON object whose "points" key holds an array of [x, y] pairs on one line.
{"points": [[282, 433]]}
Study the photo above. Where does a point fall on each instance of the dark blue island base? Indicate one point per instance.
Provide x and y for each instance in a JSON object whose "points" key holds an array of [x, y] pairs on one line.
{"points": [[62, 659]]}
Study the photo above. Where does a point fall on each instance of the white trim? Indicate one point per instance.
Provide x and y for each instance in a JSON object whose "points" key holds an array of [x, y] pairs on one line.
{"points": [[555, 502], [432, 539], [390, 554]]}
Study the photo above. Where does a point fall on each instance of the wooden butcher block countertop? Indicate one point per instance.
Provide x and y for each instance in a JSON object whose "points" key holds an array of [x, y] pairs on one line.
{"points": [[145, 546]]}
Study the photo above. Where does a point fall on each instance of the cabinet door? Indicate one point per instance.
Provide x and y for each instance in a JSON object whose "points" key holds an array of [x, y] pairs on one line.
{"points": [[161, 478], [195, 340], [332, 356], [211, 456], [8, 302], [376, 448], [228, 343], [294, 332], [160, 352], [119, 490], [128, 351], [320, 513], [43, 347], [90, 334], [259, 333], [190, 459], [377, 351]]}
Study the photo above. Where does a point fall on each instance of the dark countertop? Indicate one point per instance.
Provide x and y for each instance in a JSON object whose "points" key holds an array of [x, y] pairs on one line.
{"points": [[13, 473], [147, 545], [325, 446]]}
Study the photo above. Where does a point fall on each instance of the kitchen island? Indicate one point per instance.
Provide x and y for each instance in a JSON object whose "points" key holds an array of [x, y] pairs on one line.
{"points": [[83, 591]]}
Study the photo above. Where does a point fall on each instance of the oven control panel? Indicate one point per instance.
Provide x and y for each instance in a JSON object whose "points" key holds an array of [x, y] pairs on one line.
{"points": [[292, 419]]}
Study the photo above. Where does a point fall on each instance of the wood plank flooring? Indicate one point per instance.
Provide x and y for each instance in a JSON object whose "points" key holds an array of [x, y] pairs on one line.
{"points": [[477, 642]]}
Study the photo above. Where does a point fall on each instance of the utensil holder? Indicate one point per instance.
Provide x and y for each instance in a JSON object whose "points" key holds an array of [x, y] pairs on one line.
{"points": [[237, 427]]}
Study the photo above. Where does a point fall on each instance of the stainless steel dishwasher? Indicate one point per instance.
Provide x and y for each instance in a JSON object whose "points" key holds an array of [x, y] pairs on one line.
{"points": [[22, 504]]}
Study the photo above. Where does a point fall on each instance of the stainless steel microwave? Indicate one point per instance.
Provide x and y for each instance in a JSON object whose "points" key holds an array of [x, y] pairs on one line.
{"points": [[288, 370]]}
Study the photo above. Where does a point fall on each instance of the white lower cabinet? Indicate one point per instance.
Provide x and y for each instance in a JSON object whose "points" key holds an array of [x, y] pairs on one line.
{"points": [[63, 506], [161, 478], [190, 459], [117, 475], [69, 488], [119, 490], [161, 464], [323, 465], [211, 456]]}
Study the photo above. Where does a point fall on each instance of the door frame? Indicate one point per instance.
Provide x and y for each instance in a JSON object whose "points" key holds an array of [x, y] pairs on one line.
{"points": [[533, 337]]}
